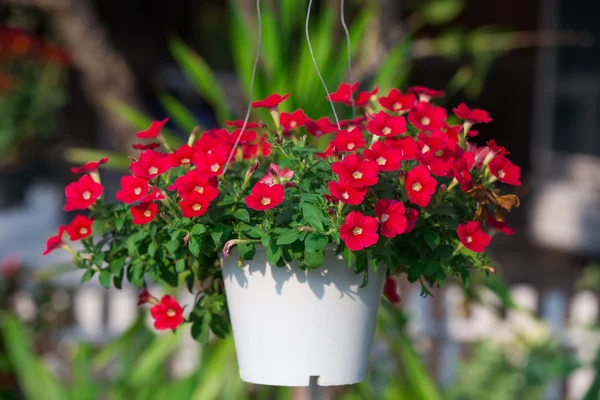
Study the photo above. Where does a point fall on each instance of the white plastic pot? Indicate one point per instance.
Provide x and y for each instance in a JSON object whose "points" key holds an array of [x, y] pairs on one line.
{"points": [[290, 325]]}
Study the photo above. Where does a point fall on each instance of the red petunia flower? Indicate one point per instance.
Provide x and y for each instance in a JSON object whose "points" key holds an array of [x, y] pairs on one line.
{"points": [[472, 237], [427, 117], [82, 194], [407, 147], [154, 195], [276, 175], [328, 152], [211, 164], [496, 148], [426, 94], [461, 170], [359, 231], [320, 127], [420, 186], [194, 205], [364, 98], [265, 197], [388, 158], [356, 171], [149, 146], [80, 227], [132, 189], [347, 141], [505, 171], [343, 94], [247, 137], [500, 226], [347, 194], [153, 131], [55, 242], [90, 166], [357, 122], [384, 124], [144, 213], [391, 291], [412, 216], [396, 101], [240, 124], [182, 156], [390, 214], [271, 101], [293, 120], [265, 147], [144, 297], [474, 116], [209, 139], [168, 314], [194, 181], [150, 165]]}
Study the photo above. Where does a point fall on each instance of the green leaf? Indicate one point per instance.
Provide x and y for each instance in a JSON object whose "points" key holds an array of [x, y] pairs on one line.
{"points": [[105, 277], [273, 253], [247, 250], [180, 265], [313, 215], [183, 118], [194, 246], [198, 229], [219, 326], [349, 257], [116, 265], [220, 234], [152, 248], [265, 240], [288, 236], [201, 76], [87, 275], [201, 330], [439, 12], [252, 231], [314, 259], [315, 242], [299, 149], [432, 239], [242, 214]]}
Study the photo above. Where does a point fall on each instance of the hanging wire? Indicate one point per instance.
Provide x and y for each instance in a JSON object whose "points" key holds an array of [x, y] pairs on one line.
{"points": [[312, 54], [237, 141], [349, 50]]}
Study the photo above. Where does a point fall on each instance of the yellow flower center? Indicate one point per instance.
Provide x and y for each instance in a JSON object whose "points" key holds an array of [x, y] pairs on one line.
{"points": [[345, 195], [356, 231], [501, 173], [468, 239], [417, 187], [83, 231], [425, 121], [293, 124], [318, 132], [384, 217], [170, 313], [137, 191], [357, 175], [426, 148], [350, 146], [386, 130], [265, 201], [199, 189], [381, 161], [397, 106], [197, 207], [86, 195], [185, 160], [147, 213], [214, 167], [153, 170]]}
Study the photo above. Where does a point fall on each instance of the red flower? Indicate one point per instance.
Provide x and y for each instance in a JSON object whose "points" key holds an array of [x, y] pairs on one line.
{"points": [[500, 226], [357, 122], [240, 124], [426, 94], [271, 101], [320, 127], [144, 213], [346, 141], [55, 242], [168, 314], [363, 98], [343, 94], [132, 189], [247, 137], [412, 216], [505, 171], [474, 116], [265, 147], [328, 152], [461, 170], [293, 120], [427, 117], [390, 291], [150, 165], [390, 214], [384, 124], [265, 197], [496, 148], [153, 131], [194, 205], [276, 175], [407, 147], [209, 139], [472, 237], [211, 164], [396, 101], [420, 186], [388, 159], [90, 166], [82, 194], [182, 156], [347, 194], [144, 297], [194, 181], [155, 194], [356, 171], [80, 227], [359, 231], [149, 146]]}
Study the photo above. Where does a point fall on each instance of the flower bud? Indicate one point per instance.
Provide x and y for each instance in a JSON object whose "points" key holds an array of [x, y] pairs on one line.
{"points": [[306, 229], [192, 137], [249, 173], [490, 269]]}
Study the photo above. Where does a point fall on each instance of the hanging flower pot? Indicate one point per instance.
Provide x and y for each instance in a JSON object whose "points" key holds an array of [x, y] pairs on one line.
{"points": [[290, 324], [292, 241]]}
